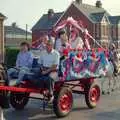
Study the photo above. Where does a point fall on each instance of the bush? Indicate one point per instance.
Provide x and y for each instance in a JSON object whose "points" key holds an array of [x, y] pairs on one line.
{"points": [[10, 56]]}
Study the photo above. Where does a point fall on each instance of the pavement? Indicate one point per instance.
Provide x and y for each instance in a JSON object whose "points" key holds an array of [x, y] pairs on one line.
{"points": [[108, 108]]}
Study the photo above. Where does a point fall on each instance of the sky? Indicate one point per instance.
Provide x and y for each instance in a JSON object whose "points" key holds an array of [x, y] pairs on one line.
{"points": [[29, 11]]}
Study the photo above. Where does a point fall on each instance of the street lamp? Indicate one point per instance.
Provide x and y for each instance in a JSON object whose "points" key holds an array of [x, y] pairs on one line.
{"points": [[26, 31]]}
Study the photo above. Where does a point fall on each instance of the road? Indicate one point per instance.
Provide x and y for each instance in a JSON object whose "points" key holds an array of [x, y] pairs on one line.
{"points": [[107, 109]]}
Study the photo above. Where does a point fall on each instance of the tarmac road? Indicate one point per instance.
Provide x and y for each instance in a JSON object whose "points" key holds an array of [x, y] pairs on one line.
{"points": [[107, 109]]}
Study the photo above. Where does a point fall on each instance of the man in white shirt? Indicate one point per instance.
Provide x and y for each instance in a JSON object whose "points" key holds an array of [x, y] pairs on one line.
{"points": [[77, 43], [49, 63]]}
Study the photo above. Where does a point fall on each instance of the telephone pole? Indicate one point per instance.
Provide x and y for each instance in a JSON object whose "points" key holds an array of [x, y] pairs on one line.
{"points": [[26, 31]]}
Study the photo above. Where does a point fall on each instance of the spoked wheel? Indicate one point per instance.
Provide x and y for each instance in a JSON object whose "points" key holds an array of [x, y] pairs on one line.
{"points": [[92, 95], [63, 102], [19, 100]]}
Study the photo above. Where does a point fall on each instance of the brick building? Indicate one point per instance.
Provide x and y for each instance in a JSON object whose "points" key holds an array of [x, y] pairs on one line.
{"points": [[14, 35], [101, 25], [2, 17]]}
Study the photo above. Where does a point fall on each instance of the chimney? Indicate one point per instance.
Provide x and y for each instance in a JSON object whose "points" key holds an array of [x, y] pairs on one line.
{"points": [[98, 4], [14, 24], [79, 1], [50, 13]]}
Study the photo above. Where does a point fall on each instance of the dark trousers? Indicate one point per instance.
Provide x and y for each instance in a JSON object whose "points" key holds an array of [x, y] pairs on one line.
{"points": [[39, 80]]}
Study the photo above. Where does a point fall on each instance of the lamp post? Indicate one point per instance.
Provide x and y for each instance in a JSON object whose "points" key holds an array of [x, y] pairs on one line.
{"points": [[26, 31]]}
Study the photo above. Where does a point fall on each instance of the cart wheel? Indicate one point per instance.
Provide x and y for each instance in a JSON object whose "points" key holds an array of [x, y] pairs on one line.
{"points": [[19, 100], [92, 95], [63, 102]]}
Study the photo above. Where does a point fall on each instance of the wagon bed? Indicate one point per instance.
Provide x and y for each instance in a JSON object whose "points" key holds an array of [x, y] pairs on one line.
{"points": [[63, 98]]}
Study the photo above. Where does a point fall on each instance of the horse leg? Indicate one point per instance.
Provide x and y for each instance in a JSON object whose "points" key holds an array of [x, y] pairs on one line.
{"points": [[1, 114]]}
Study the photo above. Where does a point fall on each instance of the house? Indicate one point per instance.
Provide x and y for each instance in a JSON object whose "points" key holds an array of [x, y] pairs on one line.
{"points": [[14, 35], [2, 18], [45, 24], [100, 24]]}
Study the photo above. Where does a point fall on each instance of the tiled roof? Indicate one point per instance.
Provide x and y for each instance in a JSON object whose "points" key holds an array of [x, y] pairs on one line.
{"points": [[93, 13], [114, 19], [16, 30], [45, 23]]}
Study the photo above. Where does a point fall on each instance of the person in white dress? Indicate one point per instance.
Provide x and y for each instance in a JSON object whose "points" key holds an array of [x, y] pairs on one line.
{"points": [[77, 43], [62, 42], [61, 38]]}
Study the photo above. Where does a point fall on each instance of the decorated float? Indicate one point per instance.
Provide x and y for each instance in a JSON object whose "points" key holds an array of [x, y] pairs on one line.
{"points": [[83, 60]]}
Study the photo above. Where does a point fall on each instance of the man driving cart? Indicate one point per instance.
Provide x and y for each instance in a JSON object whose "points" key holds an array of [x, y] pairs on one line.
{"points": [[46, 71]]}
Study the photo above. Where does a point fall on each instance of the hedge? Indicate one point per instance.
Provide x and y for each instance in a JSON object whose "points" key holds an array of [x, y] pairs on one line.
{"points": [[10, 56]]}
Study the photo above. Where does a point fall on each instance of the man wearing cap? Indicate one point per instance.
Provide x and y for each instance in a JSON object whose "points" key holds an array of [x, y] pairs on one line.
{"points": [[47, 72]]}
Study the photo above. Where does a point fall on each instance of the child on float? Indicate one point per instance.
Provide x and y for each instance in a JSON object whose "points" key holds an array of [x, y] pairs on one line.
{"points": [[62, 42]]}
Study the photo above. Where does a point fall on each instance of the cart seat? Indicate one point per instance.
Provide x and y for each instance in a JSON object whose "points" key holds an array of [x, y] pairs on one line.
{"points": [[35, 64]]}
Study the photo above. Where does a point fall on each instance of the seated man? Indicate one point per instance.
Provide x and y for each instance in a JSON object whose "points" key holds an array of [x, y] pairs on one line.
{"points": [[23, 63], [49, 62]]}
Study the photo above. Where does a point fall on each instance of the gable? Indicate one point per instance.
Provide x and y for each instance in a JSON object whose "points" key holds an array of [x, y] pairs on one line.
{"points": [[76, 14], [105, 20], [97, 17], [89, 10], [114, 19]]}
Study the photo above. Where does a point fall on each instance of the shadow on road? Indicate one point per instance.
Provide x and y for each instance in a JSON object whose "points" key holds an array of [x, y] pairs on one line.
{"points": [[29, 114], [35, 114]]}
